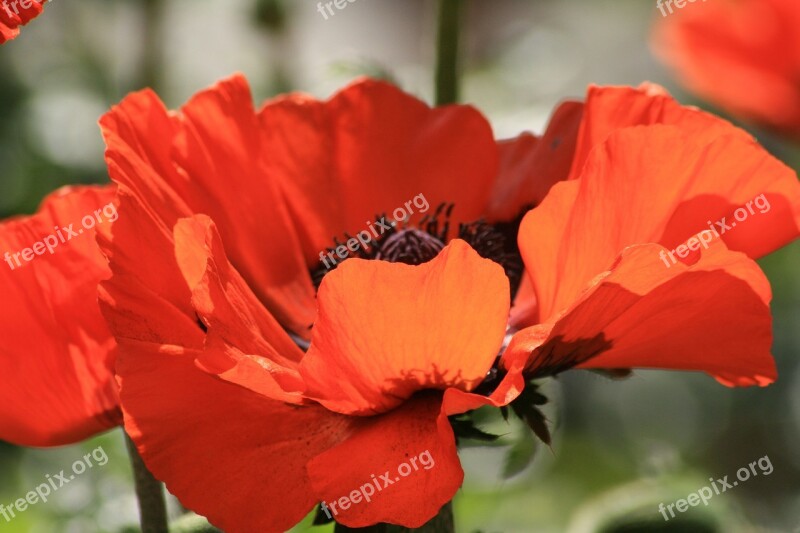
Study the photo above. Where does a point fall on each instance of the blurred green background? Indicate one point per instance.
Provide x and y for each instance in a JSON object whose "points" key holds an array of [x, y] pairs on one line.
{"points": [[620, 448]]}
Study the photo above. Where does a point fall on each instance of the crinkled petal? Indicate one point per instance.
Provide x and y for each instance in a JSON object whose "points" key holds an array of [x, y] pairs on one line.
{"points": [[385, 330], [372, 149], [383, 454], [56, 353], [712, 316], [611, 108], [530, 165], [651, 184], [245, 344], [211, 158]]}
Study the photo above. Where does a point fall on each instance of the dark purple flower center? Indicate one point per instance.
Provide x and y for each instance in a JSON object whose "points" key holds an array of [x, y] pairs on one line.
{"points": [[414, 245]]}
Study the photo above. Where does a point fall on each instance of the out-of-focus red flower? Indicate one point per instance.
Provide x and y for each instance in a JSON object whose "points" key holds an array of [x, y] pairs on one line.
{"points": [[56, 352], [15, 14], [648, 176], [741, 55], [224, 211]]}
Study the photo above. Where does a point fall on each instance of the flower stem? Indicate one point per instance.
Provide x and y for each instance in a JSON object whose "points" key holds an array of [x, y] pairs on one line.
{"points": [[441, 523], [152, 43], [149, 493], [447, 79]]}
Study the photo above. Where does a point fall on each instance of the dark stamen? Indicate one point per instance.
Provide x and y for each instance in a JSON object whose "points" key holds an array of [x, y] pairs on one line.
{"points": [[410, 246], [416, 245], [497, 242]]}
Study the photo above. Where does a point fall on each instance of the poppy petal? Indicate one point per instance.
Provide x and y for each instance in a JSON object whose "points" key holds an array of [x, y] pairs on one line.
{"points": [[211, 159], [457, 401], [245, 344], [370, 150], [204, 438], [57, 357], [648, 184], [711, 316], [530, 165], [146, 303], [436, 325], [406, 492], [612, 108]]}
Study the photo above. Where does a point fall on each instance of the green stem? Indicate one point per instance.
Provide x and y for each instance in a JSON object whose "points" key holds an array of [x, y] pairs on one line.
{"points": [[152, 41], [149, 493], [447, 79], [441, 523]]}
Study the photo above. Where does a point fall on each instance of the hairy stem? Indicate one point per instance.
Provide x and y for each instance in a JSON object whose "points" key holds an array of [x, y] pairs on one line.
{"points": [[149, 493]]}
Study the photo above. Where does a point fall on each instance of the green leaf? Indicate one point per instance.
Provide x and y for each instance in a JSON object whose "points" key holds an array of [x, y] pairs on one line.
{"points": [[526, 407], [465, 429]]}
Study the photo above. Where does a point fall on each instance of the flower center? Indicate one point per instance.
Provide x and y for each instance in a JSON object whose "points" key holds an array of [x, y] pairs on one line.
{"points": [[411, 246], [420, 244]]}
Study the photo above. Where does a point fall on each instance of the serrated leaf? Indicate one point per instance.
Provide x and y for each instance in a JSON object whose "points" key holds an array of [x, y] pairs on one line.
{"points": [[537, 398], [538, 423], [465, 429]]}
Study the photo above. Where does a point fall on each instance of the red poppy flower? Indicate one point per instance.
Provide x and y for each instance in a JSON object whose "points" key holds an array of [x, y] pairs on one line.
{"points": [[742, 55], [57, 354], [203, 350], [224, 213], [616, 286], [17, 13]]}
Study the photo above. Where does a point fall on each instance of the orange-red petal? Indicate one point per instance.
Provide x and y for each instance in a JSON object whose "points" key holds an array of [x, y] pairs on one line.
{"points": [[57, 355], [385, 330], [652, 184], [245, 344], [228, 453], [212, 159], [530, 165], [611, 108], [711, 316], [378, 453], [368, 151]]}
